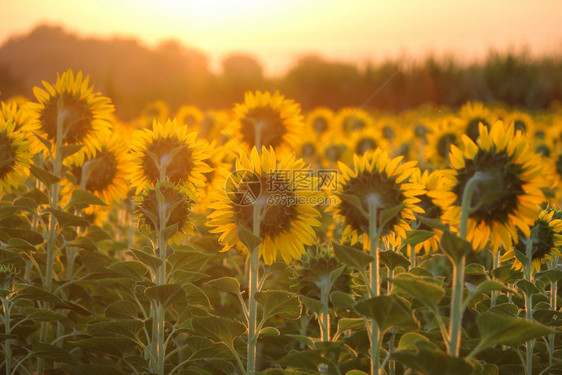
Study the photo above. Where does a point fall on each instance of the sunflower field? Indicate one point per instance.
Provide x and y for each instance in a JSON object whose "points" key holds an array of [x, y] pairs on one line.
{"points": [[260, 239]]}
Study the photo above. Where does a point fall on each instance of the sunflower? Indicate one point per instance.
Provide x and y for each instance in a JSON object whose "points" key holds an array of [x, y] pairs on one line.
{"points": [[507, 195], [352, 119], [522, 121], [545, 244], [266, 119], [320, 121], [105, 174], [282, 186], [15, 156], [471, 115], [214, 126], [15, 109], [439, 141], [167, 150], [363, 140], [189, 115], [176, 198], [431, 182], [376, 176], [155, 110], [84, 115]]}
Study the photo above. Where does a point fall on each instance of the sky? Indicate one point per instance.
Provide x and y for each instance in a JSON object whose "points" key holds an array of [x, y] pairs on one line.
{"points": [[279, 31]]}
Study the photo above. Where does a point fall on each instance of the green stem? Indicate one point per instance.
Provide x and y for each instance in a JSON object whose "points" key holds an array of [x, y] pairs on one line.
{"points": [[412, 256], [495, 264], [552, 337], [455, 326], [8, 331], [253, 286], [52, 234], [374, 287], [324, 315], [160, 280], [528, 271]]}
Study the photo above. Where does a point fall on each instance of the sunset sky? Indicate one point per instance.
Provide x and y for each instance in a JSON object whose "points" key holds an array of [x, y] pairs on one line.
{"points": [[277, 32]]}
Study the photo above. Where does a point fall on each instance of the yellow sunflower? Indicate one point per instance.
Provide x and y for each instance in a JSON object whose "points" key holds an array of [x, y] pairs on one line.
{"points": [[353, 119], [84, 115], [266, 119], [287, 193], [506, 195], [376, 176], [471, 115], [105, 174], [176, 199], [189, 115], [445, 134], [15, 156], [320, 121], [546, 244], [15, 110], [366, 139], [167, 151]]}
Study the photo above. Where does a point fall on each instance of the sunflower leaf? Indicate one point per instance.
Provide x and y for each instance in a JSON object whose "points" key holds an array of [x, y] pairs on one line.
{"points": [[278, 302], [249, 239], [527, 287], [66, 219], [454, 246], [522, 258], [167, 294], [69, 150], [43, 140], [504, 330], [392, 259], [169, 231], [550, 275], [411, 286], [414, 237], [387, 215], [222, 330], [488, 286], [150, 260], [351, 257], [51, 352], [226, 284], [388, 311], [43, 175], [84, 198], [312, 304], [356, 202]]}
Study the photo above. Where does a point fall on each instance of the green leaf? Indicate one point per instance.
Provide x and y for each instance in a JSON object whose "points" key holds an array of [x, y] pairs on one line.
{"points": [[550, 275], [249, 239], [132, 268], [355, 202], [113, 345], [226, 284], [302, 339], [97, 234], [150, 260], [392, 259], [430, 361], [84, 198], [506, 274], [522, 258], [36, 294], [43, 175], [416, 287], [278, 302], [220, 329], [51, 352], [30, 236], [341, 300], [454, 246], [414, 237], [167, 294], [385, 216], [85, 243], [503, 330], [349, 324], [269, 331], [351, 257], [65, 219], [475, 269], [486, 287], [527, 287], [312, 304], [122, 309], [40, 315], [68, 150], [170, 231], [38, 196], [508, 309], [388, 311]]}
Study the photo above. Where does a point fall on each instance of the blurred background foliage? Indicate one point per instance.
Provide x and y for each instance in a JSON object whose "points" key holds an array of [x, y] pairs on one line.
{"points": [[129, 73]]}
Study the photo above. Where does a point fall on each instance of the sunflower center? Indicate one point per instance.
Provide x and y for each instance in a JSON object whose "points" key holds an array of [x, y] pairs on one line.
{"points": [[308, 149], [352, 123], [268, 122], [388, 132], [76, 119], [365, 144], [178, 166], [172, 197], [333, 153], [280, 210], [472, 130], [520, 125], [444, 144], [496, 196], [320, 124], [101, 171], [7, 155], [368, 185]]}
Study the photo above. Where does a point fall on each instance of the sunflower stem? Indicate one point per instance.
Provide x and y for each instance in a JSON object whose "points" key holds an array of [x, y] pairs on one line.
{"points": [[253, 285], [455, 326], [7, 309], [374, 280], [528, 272], [325, 314], [52, 234], [495, 264], [412, 256]]}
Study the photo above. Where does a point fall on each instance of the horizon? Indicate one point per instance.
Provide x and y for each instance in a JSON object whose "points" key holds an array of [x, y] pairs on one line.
{"points": [[406, 28]]}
